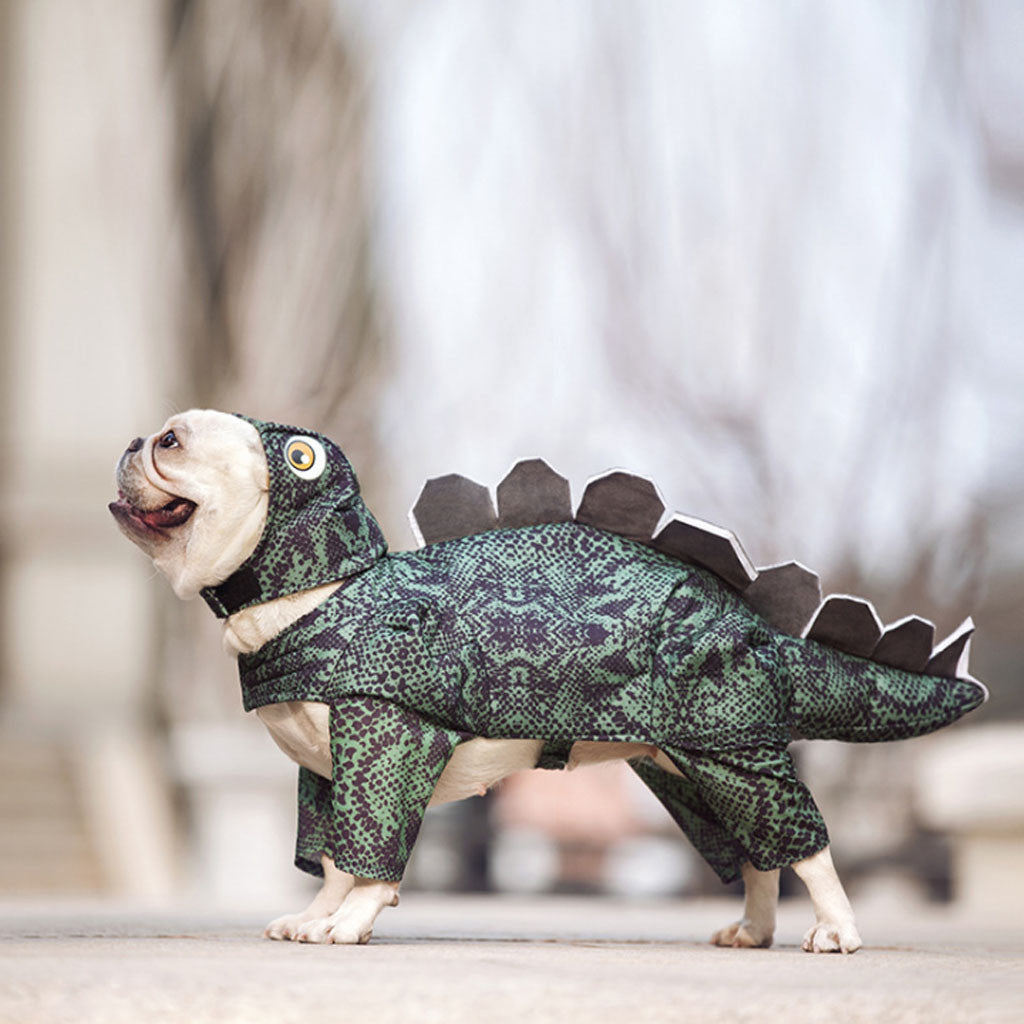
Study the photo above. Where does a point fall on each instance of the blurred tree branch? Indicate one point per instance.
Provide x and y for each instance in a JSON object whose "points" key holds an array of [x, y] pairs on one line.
{"points": [[723, 412], [279, 313]]}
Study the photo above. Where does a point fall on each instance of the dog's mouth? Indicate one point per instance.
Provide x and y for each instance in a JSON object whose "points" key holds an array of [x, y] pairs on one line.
{"points": [[153, 520]]}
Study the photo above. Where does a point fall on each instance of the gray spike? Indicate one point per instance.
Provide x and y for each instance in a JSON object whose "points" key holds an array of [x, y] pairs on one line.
{"points": [[621, 503], [694, 540], [449, 507], [532, 493], [906, 644], [785, 595], [847, 623], [950, 657]]}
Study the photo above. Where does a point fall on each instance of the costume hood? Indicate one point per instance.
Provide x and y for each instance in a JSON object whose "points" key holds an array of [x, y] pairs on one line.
{"points": [[318, 530]]}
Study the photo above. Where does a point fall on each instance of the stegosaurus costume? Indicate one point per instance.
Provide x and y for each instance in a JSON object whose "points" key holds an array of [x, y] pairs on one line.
{"points": [[558, 631]]}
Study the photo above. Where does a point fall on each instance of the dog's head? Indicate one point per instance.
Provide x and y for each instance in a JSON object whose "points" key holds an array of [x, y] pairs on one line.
{"points": [[194, 496], [273, 510]]}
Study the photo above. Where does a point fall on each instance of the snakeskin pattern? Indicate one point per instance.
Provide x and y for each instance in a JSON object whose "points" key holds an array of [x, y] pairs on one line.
{"points": [[565, 632], [878, 703]]}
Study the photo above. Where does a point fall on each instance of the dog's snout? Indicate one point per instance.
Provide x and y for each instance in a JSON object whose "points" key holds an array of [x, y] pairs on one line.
{"points": [[136, 445]]}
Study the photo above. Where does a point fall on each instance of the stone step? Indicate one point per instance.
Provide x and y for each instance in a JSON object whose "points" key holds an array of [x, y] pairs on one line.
{"points": [[44, 844]]}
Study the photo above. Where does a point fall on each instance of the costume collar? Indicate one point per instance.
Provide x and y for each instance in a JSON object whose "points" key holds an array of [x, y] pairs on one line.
{"points": [[318, 530]]}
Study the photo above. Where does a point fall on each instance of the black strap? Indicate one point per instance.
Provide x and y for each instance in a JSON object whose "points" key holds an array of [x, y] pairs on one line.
{"points": [[240, 589]]}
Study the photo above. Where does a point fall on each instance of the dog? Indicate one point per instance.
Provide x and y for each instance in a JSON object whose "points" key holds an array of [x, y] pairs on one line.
{"points": [[221, 504]]}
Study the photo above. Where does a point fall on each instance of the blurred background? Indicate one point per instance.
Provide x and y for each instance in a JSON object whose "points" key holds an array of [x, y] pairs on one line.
{"points": [[770, 255]]}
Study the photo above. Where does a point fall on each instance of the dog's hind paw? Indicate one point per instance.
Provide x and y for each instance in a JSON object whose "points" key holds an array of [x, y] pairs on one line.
{"points": [[742, 935], [826, 937], [350, 936], [352, 923]]}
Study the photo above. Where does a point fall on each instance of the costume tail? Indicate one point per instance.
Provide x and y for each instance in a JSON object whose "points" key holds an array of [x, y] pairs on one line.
{"points": [[840, 696]]}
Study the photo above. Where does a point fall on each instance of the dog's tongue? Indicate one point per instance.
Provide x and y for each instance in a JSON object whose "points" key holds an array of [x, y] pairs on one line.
{"points": [[172, 514]]}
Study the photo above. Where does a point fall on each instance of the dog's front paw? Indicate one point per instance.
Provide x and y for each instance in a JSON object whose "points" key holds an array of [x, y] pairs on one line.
{"points": [[340, 929], [743, 934], [285, 927], [317, 930], [827, 937]]}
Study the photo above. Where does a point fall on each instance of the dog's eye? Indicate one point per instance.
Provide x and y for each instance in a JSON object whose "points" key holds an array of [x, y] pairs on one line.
{"points": [[168, 440], [305, 457]]}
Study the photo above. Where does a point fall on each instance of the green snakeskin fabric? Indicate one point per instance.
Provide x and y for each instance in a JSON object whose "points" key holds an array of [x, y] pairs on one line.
{"points": [[563, 632]]}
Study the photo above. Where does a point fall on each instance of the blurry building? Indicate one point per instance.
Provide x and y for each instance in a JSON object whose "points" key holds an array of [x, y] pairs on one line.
{"points": [[184, 225], [85, 336]]}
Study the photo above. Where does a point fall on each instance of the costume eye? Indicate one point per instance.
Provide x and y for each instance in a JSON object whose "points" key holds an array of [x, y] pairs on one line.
{"points": [[305, 457], [168, 440]]}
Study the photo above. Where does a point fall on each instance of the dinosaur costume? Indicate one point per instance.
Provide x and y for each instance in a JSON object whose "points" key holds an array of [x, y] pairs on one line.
{"points": [[559, 632]]}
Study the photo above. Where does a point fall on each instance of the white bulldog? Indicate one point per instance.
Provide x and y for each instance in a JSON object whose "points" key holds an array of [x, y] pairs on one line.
{"points": [[194, 497]]}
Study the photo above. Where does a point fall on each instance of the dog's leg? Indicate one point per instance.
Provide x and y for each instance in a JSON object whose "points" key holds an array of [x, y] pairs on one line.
{"points": [[834, 931], [337, 885], [757, 927], [352, 922]]}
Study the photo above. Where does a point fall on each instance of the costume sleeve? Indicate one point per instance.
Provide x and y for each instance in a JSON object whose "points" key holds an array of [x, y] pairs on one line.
{"points": [[314, 819], [737, 805], [385, 764], [679, 796]]}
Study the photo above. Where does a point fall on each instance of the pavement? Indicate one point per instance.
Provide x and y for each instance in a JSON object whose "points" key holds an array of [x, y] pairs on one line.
{"points": [[487, 958]]}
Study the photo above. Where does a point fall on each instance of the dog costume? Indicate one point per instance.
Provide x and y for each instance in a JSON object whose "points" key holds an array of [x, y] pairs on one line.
{"points": [[560, 632]]}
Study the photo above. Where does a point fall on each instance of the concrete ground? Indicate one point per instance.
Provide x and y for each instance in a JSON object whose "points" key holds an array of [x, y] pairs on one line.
{"points": [[459, 958]]}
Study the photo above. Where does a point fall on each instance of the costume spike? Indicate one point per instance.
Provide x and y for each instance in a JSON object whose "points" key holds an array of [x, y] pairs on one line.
{"points": [[533, 493], [785, 595], [950, 657], [906, 643], [450, 507], [622, 503], [847, 623], [694, 540]]}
